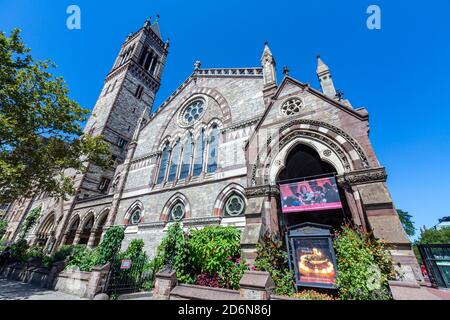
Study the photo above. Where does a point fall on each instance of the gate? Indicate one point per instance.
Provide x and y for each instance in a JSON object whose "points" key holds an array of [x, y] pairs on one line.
{"points": [[436, 258], [128, 276]]}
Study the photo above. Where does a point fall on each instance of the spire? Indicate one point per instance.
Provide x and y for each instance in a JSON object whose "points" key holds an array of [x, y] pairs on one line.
{"points": [[325, 78], [268, 63], [155, 27]]}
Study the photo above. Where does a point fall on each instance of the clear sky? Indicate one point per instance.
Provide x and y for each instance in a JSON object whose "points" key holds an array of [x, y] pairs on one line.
{"points": [[399, 73]]}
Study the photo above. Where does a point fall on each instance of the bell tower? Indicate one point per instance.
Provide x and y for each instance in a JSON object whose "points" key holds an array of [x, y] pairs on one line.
{"points": [[129, 90]]}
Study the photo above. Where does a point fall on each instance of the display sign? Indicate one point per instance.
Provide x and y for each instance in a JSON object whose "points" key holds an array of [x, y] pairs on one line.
{"points": [[311, 255], [126, 264], [314, 195], [314, 262]]}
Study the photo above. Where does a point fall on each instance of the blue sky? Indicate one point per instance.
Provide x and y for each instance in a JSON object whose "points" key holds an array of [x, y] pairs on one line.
{"points": [[399, 73]]}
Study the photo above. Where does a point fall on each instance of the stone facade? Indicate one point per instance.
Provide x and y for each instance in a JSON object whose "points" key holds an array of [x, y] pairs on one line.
{"points": [[212, 152]]}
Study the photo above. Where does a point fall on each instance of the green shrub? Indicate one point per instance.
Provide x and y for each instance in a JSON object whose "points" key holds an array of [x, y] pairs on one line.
{"points": [[217, 250], [110, 244], [3, 228], [83, 259], [19, 250], [173, 252], [35, 252], [272, 257], [60, 255], [363, 273], [312, 295]]}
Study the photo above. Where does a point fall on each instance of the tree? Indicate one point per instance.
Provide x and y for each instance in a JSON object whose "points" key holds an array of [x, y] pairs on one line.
{"points": [[435, 236], [407, 222], [40, 127]]}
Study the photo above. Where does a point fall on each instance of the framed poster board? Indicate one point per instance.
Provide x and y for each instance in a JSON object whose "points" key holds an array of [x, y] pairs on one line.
{"points": [[311, 256]]}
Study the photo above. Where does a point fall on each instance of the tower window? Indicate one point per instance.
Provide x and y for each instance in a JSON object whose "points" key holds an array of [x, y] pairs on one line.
{"points": [[104, 184], [139, 92], [121, 143]]}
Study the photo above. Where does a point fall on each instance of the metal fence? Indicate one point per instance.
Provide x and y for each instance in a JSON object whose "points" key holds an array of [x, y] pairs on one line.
{"points": [[436, 258], [128, 276]]}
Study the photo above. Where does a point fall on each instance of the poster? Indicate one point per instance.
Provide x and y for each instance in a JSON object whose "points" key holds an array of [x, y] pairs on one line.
{"points": [[314, 195], [315, 263]]}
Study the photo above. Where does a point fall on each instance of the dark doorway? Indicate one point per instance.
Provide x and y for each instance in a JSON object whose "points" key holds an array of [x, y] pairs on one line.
{"points": [[303, 164], [86, 232], [73, 231]]}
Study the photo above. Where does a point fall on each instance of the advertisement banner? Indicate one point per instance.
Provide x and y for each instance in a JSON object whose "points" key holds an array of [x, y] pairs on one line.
{"points": [[314, 260], [314, 195]]}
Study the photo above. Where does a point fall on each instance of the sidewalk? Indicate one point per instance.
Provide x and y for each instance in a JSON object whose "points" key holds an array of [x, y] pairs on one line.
{"points": [[13, 290]]}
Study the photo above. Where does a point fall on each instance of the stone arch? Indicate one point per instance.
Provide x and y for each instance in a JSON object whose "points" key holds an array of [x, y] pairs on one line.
{"points": [[210, 93], [99, 224], [332, 144], [86, 227], [178, 197], [71, 231], [46, 227], [137, 205], [101, 217], [232, 188]]}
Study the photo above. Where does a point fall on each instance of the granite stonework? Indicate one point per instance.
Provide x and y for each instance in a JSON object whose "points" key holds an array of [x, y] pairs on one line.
{"points": [[255, 137]]}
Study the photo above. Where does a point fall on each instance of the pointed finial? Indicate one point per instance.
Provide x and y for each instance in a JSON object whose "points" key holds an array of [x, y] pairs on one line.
{"points": [[197, 65], [148, 22], [157, 18], [266, 43], [167, 44], [286, 70]]}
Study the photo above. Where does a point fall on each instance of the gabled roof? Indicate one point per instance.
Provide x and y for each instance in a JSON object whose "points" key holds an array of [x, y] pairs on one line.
{"points": [[287, 79], [155, 28]]}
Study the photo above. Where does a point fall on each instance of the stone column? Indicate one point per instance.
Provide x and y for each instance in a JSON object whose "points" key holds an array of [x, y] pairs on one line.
{"points": [[380, 213], [164, 283], [92, 238], [77, 237], [256, 285], [64, 238], [260, 216]]}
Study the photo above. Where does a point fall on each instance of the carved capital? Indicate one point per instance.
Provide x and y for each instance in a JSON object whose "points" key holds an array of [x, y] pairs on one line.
{"points": [[362, 177], [262, 191]]}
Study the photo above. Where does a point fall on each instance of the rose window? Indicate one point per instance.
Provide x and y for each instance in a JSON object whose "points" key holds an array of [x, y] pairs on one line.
{"points": [[135, 217], [292, 106], [193, 112]]}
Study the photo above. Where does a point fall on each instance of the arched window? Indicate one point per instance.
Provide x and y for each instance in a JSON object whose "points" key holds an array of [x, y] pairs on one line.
{"points": [[213, 150], [176, 153], [187, 157], [199, 150], [234, 206], [164, 164], [177, 212]]}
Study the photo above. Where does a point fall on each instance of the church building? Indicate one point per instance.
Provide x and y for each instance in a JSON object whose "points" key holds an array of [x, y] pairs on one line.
{"points": [[232, 147]]}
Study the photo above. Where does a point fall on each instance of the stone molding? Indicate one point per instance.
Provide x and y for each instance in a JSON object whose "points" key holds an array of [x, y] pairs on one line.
{"points": [[262, 191], [362, 177]]}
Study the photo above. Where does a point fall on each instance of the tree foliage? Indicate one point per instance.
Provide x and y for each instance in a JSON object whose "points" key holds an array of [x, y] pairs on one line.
{"points": [[40, 127], [407, 222], [3, 228], [29, 223], [435, 236]]}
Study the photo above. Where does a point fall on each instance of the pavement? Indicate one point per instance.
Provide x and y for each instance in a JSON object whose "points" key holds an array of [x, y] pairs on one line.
{"points": [[13, 290]]}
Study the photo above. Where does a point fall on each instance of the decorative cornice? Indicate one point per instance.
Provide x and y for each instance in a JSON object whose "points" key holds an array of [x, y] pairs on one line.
{"points": [[237, 72], [262, 191], [362, 177], [202, 221], [242, 124]]}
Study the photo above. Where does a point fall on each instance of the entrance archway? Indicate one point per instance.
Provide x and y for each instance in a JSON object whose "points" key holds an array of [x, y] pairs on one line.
{"points": [[73, 231], [86, 230], [99, 229], [45, 231], [303, 164]]}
